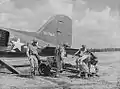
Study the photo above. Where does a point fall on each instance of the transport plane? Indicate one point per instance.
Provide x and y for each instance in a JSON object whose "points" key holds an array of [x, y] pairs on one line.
{"points": [[58, 29]]}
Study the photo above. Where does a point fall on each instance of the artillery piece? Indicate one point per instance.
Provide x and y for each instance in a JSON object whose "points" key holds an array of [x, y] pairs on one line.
{"points": [[46, 65], [49, 63]]}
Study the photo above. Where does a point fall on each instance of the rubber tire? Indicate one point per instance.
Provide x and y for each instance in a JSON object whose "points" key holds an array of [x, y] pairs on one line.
{"points": [[44, 70]]}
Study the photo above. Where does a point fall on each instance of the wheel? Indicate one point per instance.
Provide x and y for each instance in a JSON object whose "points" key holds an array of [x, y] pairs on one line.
{"points": [[44, 70]]}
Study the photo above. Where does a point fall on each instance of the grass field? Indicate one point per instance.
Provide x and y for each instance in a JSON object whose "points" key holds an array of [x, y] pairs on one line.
{"points": [[109, 71]]}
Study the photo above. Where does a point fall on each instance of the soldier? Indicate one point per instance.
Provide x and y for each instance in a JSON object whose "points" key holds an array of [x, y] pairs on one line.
{"points": [[93, 61], [32, 53], [80, 64], [58, 60], [10, 46], [63, 55], [63, 52], [80, 53]]}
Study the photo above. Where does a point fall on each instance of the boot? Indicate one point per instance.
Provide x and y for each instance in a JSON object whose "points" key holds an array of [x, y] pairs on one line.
{"points": [[86, 75], [32, 75]]}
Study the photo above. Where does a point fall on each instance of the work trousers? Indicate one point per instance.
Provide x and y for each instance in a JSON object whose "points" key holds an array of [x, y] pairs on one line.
{"points": [[33, 63], [59, 63], [81, 65]]}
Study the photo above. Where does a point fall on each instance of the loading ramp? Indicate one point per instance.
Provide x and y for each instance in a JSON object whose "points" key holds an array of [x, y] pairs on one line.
{"points": [[9, 67]]}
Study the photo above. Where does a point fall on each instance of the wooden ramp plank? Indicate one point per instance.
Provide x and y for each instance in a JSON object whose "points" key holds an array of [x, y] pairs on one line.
{"points": [[9, 67]]}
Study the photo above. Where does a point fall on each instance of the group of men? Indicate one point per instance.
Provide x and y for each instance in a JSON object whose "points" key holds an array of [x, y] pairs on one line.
{"points": [[34, 58], [82, 53]]}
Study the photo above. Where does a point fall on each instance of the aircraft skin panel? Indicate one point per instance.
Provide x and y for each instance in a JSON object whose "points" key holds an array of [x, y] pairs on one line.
{"points": [[25, 36], [29, 36], [60, 23], [55, 31], [47, 32]]}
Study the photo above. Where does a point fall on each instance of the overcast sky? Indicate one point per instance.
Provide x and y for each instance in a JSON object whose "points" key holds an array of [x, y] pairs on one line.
{"points": [[31, 14], [96, 23]]}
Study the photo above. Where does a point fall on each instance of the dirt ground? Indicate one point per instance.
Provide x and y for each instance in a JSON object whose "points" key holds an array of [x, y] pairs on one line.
{"points": [[109, 77]]}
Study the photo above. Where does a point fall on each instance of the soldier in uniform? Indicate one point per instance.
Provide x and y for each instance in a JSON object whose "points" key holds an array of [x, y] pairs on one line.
{"points": [[59, 60], [63, 55], [85, 60], [80, 53], [80, 64], [32, 53]]}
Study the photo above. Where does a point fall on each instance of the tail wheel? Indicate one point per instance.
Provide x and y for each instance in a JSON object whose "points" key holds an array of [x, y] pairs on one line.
{"points": [[44, 70]]}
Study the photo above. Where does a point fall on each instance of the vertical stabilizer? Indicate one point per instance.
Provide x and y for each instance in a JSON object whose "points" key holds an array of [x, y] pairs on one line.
{"points": [[58, 29]]}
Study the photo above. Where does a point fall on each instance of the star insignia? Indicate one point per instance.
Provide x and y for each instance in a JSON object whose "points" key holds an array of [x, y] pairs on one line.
{"points": [[17, 44]]}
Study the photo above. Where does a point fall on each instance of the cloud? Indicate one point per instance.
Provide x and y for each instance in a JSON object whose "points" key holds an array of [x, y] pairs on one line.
{"points": [[4, 1], [61, 7], [97, 28], [101, 4], [31, 18], [12, 17], [99, 19]]}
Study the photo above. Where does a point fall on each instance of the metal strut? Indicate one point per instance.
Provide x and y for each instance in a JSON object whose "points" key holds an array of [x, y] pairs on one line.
{"points": [[9, 67]]}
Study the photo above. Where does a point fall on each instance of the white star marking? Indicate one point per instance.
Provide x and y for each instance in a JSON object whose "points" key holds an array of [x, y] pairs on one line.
{"points": [[17, 44]]}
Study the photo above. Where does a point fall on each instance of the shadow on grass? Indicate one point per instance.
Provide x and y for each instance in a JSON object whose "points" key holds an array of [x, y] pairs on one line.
{"points": [[6, 73], [24, 76], [52, 74], [92, 75]]}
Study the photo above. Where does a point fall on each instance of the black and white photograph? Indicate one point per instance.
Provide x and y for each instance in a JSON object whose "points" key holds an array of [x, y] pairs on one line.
{"points": [[59, 44]]}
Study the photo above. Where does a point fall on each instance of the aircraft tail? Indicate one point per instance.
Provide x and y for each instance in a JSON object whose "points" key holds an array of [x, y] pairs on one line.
{"points": [[57, 30]]}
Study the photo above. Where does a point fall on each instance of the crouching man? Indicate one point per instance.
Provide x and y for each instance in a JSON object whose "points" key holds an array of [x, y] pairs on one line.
{"points": [[80, 63]]}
